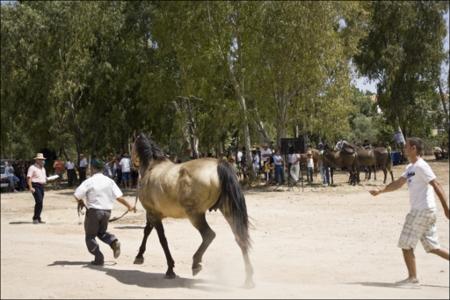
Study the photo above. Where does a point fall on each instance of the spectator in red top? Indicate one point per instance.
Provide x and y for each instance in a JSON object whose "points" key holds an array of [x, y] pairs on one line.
{"points": [[58, 166]]}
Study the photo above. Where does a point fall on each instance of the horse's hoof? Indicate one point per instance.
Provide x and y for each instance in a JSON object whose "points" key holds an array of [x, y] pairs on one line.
{"points": [[249, 284], [196, 269], [170, 275], [138, 261]]}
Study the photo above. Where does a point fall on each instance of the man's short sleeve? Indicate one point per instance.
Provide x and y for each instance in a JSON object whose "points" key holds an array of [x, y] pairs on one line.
{"points": [[116, 190], [406, 171], [425, 172], [30, 172], [80, 192]]}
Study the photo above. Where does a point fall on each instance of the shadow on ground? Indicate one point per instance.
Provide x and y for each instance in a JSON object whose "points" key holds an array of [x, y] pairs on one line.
{"points": [[147, 279], [395, 285]]}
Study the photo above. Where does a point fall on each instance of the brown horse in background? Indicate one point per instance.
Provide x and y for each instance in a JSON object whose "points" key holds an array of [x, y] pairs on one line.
{"points": [[346, 158], [188, 190], [383, 161], [373, 159], [366, 159]]}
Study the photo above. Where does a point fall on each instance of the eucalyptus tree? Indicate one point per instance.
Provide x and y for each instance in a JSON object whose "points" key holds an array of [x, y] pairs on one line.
{"points": [[403, 51], [204, 78], [299, 74], [25, 78]]}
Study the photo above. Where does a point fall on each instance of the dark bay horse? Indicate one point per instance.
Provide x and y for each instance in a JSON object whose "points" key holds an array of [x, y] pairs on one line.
{"points": [[188, 190], [375, 158], [342, 159]]}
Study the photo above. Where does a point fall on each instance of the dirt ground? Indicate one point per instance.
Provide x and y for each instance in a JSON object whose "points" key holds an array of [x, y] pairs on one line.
{"points": [[319, 242]]}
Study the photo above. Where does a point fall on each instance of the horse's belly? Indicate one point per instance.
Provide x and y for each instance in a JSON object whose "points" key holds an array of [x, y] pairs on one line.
{"points": [[165, 208]]}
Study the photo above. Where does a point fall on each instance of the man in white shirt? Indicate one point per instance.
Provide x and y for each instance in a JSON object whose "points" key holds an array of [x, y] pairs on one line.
{"points": [[125, 165], [420, 223], [82, 168], [99, 191], [294, 165], [71, 174]]}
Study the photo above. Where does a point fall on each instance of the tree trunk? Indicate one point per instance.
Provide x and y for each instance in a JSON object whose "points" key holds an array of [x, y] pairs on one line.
{"points": [[226, 56], [247, 140], [190, 130], [281, 119], [260, 127], [444, 106]]}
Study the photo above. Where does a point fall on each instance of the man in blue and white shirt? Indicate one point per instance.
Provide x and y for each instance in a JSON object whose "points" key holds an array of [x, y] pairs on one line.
{"points": [[99, 191]]}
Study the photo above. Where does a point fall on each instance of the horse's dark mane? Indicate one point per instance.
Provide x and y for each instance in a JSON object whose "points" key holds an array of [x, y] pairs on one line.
{"points": [[147, 150]]}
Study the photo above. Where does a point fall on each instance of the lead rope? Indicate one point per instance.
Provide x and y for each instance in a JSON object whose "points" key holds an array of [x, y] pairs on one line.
{"points": [[135, 202]]}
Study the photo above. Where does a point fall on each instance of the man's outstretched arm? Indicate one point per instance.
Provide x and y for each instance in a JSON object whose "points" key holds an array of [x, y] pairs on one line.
{"points": [[394, 185]]}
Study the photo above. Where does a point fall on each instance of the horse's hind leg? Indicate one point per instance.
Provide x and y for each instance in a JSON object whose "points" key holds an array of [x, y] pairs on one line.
{"points": [[208, 235], [140, 257], [170, 274]]}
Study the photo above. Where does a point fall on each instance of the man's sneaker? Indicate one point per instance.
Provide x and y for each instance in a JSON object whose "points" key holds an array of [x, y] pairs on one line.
{"points": [[35, 221], [97, 262], [116, 248]]}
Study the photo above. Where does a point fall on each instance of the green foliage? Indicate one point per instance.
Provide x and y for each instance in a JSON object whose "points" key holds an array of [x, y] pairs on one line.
{"points": [[403, 51], [84, 76]]}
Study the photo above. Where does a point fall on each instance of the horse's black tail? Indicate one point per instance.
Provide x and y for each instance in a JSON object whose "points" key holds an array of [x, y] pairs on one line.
{"points": [[231, 203]]}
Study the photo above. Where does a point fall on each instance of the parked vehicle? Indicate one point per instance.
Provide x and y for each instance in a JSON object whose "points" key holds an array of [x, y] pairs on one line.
{"points": [[4, 183]]}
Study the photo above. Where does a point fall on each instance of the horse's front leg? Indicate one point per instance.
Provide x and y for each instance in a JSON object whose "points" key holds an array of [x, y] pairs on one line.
{"points": [[140, 257], [170, 274]]}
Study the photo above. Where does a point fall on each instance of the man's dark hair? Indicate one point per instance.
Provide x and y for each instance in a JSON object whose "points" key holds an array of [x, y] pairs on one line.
{"points": [[97, 164], [417, 142]]}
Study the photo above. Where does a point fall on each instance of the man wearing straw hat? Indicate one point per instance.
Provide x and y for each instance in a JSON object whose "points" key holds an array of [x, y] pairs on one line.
{"points": [[36, 178]]}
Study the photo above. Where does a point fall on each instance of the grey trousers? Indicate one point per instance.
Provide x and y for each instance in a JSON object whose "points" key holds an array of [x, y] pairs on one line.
{"points": [[95, 225]]}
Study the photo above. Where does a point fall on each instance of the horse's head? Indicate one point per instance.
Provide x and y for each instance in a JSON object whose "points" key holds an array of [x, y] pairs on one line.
{"points": [[144, 151]]}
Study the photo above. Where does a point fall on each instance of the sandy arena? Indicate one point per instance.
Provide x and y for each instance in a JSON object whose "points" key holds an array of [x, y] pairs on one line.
{"points": [[335, 242]]}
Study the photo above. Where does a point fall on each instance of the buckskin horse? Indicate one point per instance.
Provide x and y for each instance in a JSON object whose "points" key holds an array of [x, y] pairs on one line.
{"points": [[188, 190]]}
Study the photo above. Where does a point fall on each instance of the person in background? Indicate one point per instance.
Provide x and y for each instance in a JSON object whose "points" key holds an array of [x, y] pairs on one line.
{"points": [[294, 165], [256, 163], [82, 166], [71, 173], [309, 166], [279, 167], [36, 179], [12, 178], [58, 166], [323, 166], [125, 165], [266, 155], [268, 169]]}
